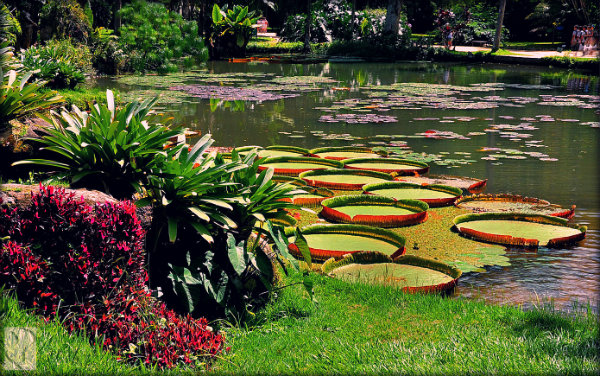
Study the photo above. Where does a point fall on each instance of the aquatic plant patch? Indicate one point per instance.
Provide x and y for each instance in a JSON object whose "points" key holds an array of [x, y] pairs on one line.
{"points": [[374, 210], [513, 204], [344, 179], [387, 165], [517, 229], [293, 166], [327, 241], [358, 118], [410, 273], [229, 93], [167, 80], [434, 195]]}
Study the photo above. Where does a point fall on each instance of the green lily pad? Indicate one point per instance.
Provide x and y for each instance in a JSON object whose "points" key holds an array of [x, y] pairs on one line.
{"points": [[433, 195], [374, 210], [327, 241], [343, 179], [518, 229]]}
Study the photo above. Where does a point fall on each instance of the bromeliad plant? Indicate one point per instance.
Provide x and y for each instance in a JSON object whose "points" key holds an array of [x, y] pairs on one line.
{"points": [[231, 30], [209, 216], [19, 97], [111, 149]]}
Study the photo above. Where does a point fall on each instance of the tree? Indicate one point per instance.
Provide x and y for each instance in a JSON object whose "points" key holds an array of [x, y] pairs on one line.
{"points": [[501, 9], [392, 17], [307, 27]]}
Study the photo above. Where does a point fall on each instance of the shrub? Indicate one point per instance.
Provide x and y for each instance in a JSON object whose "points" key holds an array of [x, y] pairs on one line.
{"points": [[332, 20], [231, 30], [61, 63], [201, 243], [86, 266], [110, 149], [19, 97], [155, 39], [108, 55], [63, 19]]}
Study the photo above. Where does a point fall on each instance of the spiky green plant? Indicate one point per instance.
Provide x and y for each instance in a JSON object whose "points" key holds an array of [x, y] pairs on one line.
{"points": [[111, 148], [20, 98]]}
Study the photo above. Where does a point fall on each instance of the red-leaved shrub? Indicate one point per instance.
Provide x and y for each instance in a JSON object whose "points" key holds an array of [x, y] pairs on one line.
{"points": [[86, 265]]}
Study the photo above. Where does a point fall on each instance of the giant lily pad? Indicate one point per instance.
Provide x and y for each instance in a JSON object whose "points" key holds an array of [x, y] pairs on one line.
{"points": [[327, 241], [282, 151], [434, 195], [518, 229], [296, 165], [344, 152], [470, 185], [343, 179], [312, 197], [513, 204], [374, 210], [411, 273], [387, 165]]}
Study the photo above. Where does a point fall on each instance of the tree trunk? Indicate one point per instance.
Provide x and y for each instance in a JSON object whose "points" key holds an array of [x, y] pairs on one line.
{"points": [[307, 27], [499, 25], [392, 17], [353, 16], [116, 8]]}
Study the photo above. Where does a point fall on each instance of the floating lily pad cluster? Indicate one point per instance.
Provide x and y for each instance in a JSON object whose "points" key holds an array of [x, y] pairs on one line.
{"points": [[357, 118], [230, 93]]}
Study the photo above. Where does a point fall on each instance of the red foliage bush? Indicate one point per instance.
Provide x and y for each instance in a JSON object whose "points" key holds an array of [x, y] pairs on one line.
{"points": [[86, 265]]}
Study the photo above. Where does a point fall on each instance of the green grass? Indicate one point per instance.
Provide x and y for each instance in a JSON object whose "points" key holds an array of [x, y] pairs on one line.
{"points": [[57, 351], [363, 329], [534, 46], [61, 353], [84, 96]]}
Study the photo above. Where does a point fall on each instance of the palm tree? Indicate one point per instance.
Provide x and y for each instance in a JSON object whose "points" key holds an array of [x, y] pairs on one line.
{"points": [[499, 25], [392, 17]]}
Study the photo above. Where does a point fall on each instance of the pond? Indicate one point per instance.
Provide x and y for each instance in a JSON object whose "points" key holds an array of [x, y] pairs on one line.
{"points": [[529, 131]]}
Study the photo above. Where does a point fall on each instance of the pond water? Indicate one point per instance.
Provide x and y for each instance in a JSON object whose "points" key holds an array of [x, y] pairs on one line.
{"points": [[534, 132]]}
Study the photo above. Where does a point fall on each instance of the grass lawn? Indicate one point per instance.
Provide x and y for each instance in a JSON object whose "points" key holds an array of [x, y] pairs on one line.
{"points": [[362, 329]]}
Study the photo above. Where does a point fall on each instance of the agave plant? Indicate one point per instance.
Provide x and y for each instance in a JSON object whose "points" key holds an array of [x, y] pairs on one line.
{"points": [[111, 149], [19, 98]]}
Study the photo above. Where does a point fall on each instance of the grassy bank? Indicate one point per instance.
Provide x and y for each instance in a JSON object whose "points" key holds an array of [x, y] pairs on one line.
{"points": [[361, 329], [57, 351]]}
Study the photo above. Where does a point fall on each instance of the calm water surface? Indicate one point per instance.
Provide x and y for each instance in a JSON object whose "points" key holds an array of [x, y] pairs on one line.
{"points": [[564, 276]]}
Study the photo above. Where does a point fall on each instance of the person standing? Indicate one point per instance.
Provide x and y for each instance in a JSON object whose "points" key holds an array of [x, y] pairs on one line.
{"points": [[574, 38]]}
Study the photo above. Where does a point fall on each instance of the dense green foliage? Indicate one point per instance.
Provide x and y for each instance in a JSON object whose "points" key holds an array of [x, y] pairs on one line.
{"points": [[59, 62], [231, 30], [61, 19], [154, 38]]}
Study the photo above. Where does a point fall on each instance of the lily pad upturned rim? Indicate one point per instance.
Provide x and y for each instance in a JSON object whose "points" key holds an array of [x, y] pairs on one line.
{"points": [[354, 149], [296, 171], [306, 176], [477, 185], [388, 236], [293, 149], [506, 197], [419, 209], [518, 241], [377, 257], [293, 180], [313, 201], [432, 202], [420, 167]]}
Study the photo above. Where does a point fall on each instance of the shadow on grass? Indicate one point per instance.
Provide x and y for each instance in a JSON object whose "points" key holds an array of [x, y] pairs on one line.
{"points": [[556, 333]]}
